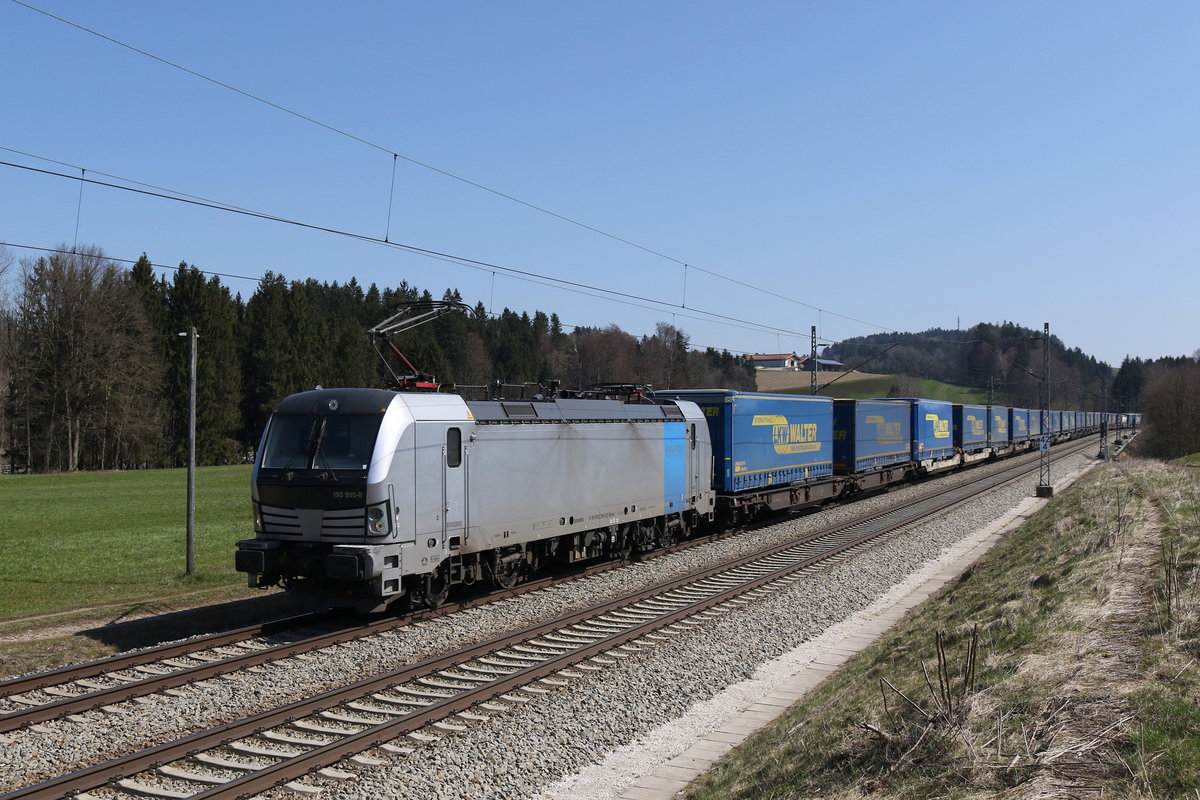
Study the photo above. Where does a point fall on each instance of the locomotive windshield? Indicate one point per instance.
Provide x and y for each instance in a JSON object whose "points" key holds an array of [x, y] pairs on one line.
{"points": [[320, 441]]}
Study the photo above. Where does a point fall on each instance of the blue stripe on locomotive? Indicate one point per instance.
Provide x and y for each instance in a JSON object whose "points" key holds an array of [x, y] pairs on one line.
{"points": [[762, 439], [675, 446], [870, 434]]}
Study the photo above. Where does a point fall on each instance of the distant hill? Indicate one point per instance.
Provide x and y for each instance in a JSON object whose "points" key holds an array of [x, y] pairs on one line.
{"points": [[865, 384], [1005, 359]]}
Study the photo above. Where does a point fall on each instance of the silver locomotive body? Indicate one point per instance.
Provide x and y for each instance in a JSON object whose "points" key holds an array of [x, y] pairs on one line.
{"points": [[364, 496]]}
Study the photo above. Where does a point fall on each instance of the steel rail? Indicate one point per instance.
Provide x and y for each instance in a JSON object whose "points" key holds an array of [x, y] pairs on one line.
{"points": [[137, 658], [181, 676]]}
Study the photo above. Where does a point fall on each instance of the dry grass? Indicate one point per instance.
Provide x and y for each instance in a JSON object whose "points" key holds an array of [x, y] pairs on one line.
{"points": [[1063, 665]]}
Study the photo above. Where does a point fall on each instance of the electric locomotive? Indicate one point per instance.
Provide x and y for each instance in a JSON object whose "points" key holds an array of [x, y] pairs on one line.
{"points": [[364, 497]]}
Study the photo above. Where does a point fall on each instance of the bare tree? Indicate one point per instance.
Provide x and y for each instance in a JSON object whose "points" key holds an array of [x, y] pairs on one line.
{"points": [[662, 358], [1171, 404], [81, 364], [904, 386], [604, 356]]}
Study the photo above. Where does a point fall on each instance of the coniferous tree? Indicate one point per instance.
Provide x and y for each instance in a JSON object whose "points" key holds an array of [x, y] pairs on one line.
{"points": [[267, 352], [206, 305]]}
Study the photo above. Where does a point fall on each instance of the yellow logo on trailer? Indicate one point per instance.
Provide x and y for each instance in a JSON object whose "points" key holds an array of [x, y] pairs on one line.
{"points": [[787, 437], [886, 432], [941, 427]]}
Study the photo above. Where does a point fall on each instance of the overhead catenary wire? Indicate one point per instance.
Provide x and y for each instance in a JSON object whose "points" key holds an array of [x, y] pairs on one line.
{"points": [[470, 263], [121, 178], [416, 162]]}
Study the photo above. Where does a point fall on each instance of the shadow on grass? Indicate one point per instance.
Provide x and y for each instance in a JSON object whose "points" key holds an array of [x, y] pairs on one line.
{"points": [[147, 624]]}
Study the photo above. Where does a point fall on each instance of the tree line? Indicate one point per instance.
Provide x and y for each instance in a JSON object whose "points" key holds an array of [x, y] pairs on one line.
{"points": [[94, 361], [1167, 392], [94, 357], [1005, 359]]}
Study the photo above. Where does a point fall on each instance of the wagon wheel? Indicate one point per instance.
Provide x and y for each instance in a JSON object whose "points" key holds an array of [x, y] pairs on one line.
{"points": [[435, 588]]}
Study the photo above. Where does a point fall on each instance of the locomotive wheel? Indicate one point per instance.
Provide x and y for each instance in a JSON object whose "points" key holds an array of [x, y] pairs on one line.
{"points": [[508, 574], [668, 534], [646, 536], [435, 588], [621, 544]]}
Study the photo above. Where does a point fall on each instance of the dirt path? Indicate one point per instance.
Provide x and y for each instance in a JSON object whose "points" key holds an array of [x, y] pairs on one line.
{"points": [[1098, 667]]}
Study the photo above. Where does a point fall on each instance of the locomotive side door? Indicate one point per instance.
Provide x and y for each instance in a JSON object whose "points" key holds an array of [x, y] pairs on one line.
{"points": [[693, 460], [454, 487], [441, 482]]}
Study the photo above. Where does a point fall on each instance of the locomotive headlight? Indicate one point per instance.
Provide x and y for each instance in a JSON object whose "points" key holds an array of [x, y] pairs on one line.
{"points": [[258, 523], [378, 522]]}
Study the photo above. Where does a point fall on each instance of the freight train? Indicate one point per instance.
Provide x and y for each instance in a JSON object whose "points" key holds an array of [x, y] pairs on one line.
{"points": [[366, 497]]}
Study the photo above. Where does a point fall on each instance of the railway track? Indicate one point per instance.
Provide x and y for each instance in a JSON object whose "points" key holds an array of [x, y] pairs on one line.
{"points": [[75, 689], [447, 692]]}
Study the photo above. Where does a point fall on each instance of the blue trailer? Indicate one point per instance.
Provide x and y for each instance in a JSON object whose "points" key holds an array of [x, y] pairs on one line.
{"points": [[932, 421], [871, 434], [1035, 422], [970, 428], [998, 435], [762, 440], [1018, 425]]}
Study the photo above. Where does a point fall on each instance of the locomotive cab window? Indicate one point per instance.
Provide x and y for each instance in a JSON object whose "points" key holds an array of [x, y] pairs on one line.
{"points": [[320, 442], [453, 447]]}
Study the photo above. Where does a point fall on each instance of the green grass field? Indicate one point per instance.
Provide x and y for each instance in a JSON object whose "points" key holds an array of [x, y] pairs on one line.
{"points": [[1034, 601], [88, 539], [862, 387], [936, 390]]}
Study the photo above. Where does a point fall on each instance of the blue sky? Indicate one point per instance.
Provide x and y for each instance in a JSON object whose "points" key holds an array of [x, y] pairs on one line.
{"points": [[862, 167]]}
